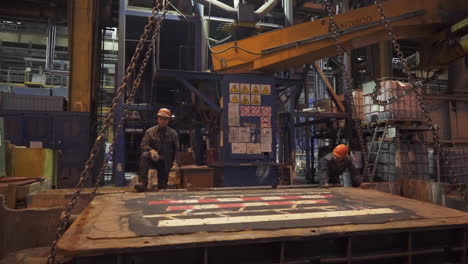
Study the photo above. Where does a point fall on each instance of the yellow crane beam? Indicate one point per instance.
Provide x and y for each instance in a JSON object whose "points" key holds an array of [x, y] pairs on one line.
{"points": [[304, 43]]}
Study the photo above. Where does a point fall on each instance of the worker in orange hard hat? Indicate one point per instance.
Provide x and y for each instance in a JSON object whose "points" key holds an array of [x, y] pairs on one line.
{"points": [[158, 147], [335, 164]]}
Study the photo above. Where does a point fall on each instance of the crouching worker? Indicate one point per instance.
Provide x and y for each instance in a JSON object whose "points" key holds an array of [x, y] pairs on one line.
{"points": [[158, 147], [335, 164]]}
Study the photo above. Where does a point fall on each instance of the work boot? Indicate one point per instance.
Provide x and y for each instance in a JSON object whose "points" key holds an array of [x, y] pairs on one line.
{"points": [[140, 187]]}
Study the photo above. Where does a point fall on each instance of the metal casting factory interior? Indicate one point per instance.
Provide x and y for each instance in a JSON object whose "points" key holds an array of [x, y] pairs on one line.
{"points": [[234, 131]]}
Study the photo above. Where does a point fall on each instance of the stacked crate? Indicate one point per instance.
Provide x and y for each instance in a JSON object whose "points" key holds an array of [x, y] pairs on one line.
{"points": [[404, 109]]}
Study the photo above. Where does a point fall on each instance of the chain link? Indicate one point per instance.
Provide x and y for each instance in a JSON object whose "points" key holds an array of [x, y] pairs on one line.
{"points": [[416, 85], [135, 87], [109, 120], [348, 91]]}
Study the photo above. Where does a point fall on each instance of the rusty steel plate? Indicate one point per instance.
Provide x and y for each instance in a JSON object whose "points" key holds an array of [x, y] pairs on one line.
{"points": [[131, 221], [192, 213]]}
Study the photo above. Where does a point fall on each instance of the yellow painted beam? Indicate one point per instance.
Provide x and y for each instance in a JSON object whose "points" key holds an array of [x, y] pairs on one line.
{"points": [[331, 92], [81, 44], [303, 50]]}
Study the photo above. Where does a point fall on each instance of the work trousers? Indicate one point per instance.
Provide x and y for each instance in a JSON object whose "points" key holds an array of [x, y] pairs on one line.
{"points": [[146, 164]]}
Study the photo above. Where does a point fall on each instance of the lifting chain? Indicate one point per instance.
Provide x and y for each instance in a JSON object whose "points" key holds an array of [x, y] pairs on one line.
{"points": [[435, 134], [348, 91], [152, 27], [414, 88]]}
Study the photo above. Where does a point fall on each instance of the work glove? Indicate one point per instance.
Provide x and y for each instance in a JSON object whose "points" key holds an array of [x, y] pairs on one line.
{"points": [[174, 166], [154, 155]]}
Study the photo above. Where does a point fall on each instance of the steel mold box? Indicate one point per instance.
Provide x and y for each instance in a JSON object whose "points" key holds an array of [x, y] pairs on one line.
{"points": [[428, 234]]}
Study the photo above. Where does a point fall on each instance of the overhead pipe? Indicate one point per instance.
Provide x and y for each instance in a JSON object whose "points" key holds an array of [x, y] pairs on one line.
{"points": [[232, 12], [50, 48], [227, 10], [265, 8]]}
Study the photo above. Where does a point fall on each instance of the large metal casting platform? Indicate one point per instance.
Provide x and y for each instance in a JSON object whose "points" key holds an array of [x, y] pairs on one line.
{"points": [[337, 225]]}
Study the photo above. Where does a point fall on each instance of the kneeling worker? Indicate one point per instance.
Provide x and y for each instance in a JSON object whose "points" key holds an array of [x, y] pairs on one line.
{"points": [[335, 164], [158, 147]]}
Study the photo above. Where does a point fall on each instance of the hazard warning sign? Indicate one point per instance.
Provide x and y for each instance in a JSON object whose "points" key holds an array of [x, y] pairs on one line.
{"points": [[266, 110], [245, 99], [256, 100], [234, 88], [245, 110], [255, 111], [255, 89], [234, 98], [245, 88], [265, 121], [266, 89]]}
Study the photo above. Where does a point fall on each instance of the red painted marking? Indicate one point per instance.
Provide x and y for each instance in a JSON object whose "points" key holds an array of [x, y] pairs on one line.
{"points": [[252, 198], [321, 201]]}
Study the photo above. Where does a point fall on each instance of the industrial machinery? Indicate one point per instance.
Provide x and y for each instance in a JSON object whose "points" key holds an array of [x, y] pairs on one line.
{"points": [[304, 43], [260, 225]]}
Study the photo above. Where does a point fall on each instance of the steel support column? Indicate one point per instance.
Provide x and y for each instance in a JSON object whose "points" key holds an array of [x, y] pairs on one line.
{"points": [[118, 176], [82, 48], [385, 58]]}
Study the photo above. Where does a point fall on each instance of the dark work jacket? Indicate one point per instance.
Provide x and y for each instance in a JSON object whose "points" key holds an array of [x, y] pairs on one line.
{"points": [[166, 144], [330, 171]]}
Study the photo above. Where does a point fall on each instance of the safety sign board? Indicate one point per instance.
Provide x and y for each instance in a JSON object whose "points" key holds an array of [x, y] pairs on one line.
{"points": [[245, 88], [245, 110], [265, 121], [255, 111], [245, 99], [256, 100], [255, 89], [266, 89], [234, 88], [234, 98], [266, 110]]}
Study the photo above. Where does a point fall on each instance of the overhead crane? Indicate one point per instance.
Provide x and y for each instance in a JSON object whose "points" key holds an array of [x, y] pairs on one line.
{"points": [[304, 43]]}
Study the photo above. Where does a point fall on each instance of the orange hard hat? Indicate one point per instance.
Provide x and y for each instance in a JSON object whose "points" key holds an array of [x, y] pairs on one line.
{"points": [[340, 151], [164, 112]]}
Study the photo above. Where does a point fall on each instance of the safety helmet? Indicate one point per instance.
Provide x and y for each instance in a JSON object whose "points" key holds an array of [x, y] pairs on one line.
{"points": [[340, 151], [164, 112]]}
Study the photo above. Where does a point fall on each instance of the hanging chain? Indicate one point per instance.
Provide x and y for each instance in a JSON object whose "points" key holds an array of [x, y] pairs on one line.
{"points": [[109, 121], [415, 85], [136, 85], [348, 92]]}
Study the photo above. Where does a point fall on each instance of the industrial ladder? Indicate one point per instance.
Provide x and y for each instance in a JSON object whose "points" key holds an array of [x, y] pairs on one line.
{"points": [[373, 162]]}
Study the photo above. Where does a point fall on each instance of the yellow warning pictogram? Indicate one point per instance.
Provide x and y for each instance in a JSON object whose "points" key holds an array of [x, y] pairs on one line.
{"points": [[245, 99], [256, 89], [234, 88], [245, 88], [234, 98], [266, 89], [256, 100]]}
